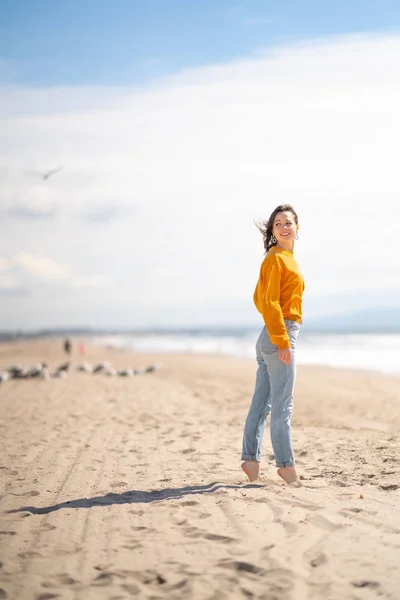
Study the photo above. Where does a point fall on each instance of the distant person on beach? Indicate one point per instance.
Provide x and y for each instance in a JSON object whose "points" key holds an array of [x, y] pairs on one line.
{"points": [[278, 297], [67, 346]]}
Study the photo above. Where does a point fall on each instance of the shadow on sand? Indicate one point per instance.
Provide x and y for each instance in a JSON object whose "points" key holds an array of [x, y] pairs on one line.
{"points": [[135, 497]]}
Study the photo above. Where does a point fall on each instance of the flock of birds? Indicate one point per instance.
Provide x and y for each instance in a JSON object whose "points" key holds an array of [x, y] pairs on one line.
{"points": [[41, 371]]}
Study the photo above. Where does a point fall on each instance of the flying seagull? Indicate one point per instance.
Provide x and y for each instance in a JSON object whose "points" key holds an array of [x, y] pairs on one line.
{"points": [[45, 176]]}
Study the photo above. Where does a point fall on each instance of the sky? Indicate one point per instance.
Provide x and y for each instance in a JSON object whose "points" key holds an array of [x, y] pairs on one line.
{"points": [[177, 126]]}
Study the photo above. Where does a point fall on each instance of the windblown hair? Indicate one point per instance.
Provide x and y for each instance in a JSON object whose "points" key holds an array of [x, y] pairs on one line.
{"points": [[266, 227]]}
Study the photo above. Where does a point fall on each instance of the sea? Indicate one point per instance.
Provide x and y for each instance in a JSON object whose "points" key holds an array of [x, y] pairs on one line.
{"points": [[361, 350]]}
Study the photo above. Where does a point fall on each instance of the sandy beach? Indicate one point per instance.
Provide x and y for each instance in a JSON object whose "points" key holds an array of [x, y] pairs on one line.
{"points": [[113, 488]]}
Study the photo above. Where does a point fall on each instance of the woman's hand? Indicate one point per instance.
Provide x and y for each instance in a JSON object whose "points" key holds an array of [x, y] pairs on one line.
{"points": [[285, 356]]}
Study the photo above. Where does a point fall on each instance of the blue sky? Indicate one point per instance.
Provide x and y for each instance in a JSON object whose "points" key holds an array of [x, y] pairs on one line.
{"points": [[75, 42], [179, 124]]}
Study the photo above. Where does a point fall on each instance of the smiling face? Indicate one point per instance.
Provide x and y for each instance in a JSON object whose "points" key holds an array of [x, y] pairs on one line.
{"points": [[285, 229]]}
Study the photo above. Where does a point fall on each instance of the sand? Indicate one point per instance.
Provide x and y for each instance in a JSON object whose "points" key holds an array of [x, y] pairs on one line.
{"points": [[113, 488]]}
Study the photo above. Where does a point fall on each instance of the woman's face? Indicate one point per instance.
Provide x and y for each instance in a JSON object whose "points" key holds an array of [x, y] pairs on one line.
{"points": [[284, 228]]}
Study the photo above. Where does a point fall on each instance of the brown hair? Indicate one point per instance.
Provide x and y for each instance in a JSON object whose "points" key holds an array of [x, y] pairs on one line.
{"points": [[266, 227]]}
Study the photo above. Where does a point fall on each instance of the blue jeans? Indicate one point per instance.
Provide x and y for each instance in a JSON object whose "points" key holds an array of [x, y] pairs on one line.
{"points": [[273, 394]]}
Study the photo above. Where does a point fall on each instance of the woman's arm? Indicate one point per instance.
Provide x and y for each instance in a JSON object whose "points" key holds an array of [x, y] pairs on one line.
{"points": [[270, 304]]}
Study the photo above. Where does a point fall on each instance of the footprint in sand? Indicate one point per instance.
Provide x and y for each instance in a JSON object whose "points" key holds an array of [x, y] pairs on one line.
{"points": [[277, 510], [189, 503], [29, 554], [3, 593], [266, 549], [133, 546], [365, 583], [389, 486], [67, 548], [262, 500], [304, 505], [243, 567], [62, 579], [131, 588], [317, 560], [324, 523], [31, 493], [219, 538], [290, 527], [149, 577], [192, 532], [142, 528], [281, 581], [102, 580]]}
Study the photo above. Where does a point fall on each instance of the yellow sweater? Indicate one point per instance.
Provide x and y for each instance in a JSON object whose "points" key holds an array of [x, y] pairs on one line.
{"points": [[278, 294]]}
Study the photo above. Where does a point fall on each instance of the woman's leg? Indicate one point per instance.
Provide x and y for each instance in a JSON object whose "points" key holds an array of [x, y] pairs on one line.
{"points": [[282, 380], [255, 422]]}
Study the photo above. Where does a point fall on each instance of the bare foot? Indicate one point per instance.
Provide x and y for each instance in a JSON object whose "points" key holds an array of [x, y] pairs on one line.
{"points": [[288, 474], [252, 469]]}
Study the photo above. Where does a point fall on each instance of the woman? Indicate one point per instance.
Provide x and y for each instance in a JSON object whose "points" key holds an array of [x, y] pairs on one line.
{"points": [[278, 297]]}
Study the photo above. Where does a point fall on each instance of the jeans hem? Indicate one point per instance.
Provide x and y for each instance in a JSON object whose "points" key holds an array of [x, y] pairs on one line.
{"points": [[282, 465], [249, 457]]}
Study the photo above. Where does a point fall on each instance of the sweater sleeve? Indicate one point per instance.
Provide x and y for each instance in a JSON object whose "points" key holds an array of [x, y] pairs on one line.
{"points": [[271, 307]]}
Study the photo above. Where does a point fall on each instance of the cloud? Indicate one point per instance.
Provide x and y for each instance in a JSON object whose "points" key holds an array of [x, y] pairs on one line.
{"points": [[199, 156], [258, 21], [106, 213], [44, 268], [6, 292], [90, 281], [29, 271], [28, 213], [3, 264], [8, 281], [9, 285]]}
